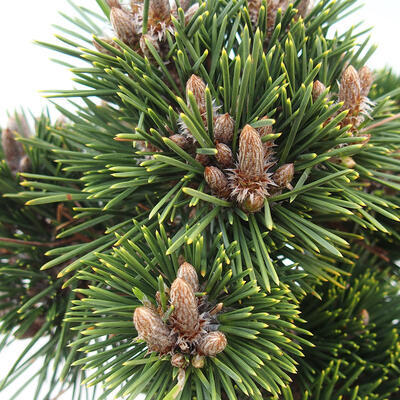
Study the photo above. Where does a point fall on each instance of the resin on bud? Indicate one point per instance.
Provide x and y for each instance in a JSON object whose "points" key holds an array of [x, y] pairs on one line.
{"points": [[224, 156], [366, 80], [212, 344], [189, 274], [223, 128], [251, 152], [124, 26], [152, 330], [185, 315], [197, 86], [318, 89], [284, 175], [217, 181]]}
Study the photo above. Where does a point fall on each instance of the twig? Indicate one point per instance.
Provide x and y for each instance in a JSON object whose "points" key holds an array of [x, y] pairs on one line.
{"points": [[384, 121]]}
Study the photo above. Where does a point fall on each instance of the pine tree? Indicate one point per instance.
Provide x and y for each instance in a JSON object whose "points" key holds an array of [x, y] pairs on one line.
{"points": [[216, 218]]}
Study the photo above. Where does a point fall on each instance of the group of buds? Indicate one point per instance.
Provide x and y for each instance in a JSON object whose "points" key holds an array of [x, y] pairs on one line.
{"points": [[303, 9], [187, 329], [250, 182], [127, 23], [245, 180], [13, 150], [354, 87]]}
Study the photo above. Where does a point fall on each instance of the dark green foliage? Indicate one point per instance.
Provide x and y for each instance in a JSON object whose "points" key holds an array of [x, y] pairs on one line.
{"points": [[356, 336], [111, 202]]}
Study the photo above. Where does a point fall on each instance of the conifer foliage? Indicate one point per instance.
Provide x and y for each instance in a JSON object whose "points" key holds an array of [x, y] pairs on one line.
{"points": [[216, 217]]}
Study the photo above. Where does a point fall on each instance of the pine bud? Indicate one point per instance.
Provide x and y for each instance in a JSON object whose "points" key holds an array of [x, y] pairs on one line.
{"points": [[159, 11], [251, 152], [217, 181], [317, 90], [253, 203], [19, 124], [253, 7], [348, 162], [223, 128], [188, 273], [181, 141], [189, 13], [212, 344], [13, 150], [143, 46], [124, 26], [350, 89], [264, 130], [102, 49], [364, 314], [136, 6], [203, 159], [24, 164], [186, 316], [366, 80], [198, 361], [114, 3], [178, 360], [151, 328], [197, 86], [304, 7], [224, 156], [284, 175]]}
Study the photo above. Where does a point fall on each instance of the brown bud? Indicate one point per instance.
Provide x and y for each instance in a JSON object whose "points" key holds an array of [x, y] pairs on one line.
{"points": [[223, 128], [136, 6], [350, 89], [178, 360], [151, 328], [188, 273], [186, 315], [181, 141], [203, 159], [189, 13], [143, 45], [19, 124], [114, 3], [212, 344], [224, 156], [253, 7], [366, 80], [318, 89], [253, 203], [102, 49], [197, 86], [159, 11], [364, 314], [24, 164], [284, 175], [264, 130], [304, 7], [124, 26], [348, 162], [217, 181], [251, 152], [216, 309], [268, 150], [34, 328], [13, 150], [198, 361]]}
